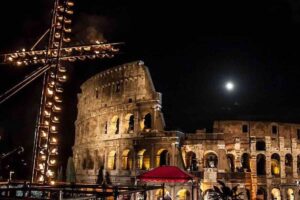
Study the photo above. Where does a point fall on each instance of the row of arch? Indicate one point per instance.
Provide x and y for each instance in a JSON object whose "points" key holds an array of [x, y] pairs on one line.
{"points": [[211, 161], [182, 194], [129, 124], [112, 126], [276, 194], [262, 194], [143, 160], [276, 164]]}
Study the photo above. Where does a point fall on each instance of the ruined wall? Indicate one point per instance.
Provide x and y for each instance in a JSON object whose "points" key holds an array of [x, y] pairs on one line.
{"points": [[114, 106]]}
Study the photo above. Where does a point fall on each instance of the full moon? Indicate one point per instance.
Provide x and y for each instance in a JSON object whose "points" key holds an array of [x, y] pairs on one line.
{"points": [[229, 86]]}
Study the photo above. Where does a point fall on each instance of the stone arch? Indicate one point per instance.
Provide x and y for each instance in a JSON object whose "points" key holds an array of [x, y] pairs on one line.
{"points": [[275, 194], [245, 160], [275, 164], [88, 162], [162, 157], [127, 159], [159, 194], [129, 123], [183, 194], [261, 194], [261, 164], [290, 194], [211, 160], [147, 121], [230, 162], [288, 165], [111, 160], [143, 159], [191, 161], [115, 125]]}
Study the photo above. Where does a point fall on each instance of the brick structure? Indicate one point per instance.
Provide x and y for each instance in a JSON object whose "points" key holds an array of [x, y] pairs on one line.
{"points": [[120, 126]]}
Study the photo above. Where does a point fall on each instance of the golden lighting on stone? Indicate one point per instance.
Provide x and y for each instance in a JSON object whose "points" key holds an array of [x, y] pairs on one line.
{"points": [[52, 162], [41, 178]]}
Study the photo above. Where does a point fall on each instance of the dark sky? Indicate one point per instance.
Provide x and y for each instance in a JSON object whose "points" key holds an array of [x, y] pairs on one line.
{"points": [[192, 48]]}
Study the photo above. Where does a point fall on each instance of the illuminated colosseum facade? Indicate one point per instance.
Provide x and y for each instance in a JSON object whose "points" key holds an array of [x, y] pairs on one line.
{"points": [[120, 126]]}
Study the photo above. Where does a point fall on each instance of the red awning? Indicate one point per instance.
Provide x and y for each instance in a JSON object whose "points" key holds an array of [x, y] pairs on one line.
{"points": [[170, 174]]}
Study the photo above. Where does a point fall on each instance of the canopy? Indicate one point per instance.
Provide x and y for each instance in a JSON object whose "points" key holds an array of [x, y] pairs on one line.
{"points": [[169, 174]]}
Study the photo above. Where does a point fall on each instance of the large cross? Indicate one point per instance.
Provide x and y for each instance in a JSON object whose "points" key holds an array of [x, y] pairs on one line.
{"points": [[53, 60]]}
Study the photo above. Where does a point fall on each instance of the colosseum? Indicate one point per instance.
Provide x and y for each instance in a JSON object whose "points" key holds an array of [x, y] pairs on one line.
{"points": [[120, 127]]}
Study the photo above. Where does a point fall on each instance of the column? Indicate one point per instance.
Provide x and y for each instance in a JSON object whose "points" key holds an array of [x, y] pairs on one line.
{"points": [[268, 165], [152, 157], [282, 166]]}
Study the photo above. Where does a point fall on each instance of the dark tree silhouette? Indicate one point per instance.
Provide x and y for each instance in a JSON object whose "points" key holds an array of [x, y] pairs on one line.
{"points": [[226, 193]]}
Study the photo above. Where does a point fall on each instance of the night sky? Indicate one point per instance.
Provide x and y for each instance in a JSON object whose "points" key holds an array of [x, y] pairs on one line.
{"points": [[191, 49]]}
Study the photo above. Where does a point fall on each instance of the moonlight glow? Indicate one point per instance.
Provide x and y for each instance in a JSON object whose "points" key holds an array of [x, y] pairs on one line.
{"points": [[229, 86]]}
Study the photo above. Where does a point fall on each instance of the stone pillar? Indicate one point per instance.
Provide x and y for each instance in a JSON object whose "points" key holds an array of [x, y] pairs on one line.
{"points": [[253, 175], [296, 193], [295, 158], [283, 193], [136, 122], [105, 159], [154, 116], [152, 157], [118, 159], [174, 155], [294, 164], [268, 165], [282, 166], [237, 148]]}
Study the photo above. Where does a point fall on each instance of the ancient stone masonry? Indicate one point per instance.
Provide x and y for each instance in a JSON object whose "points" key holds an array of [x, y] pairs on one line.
{"points": [[120, 127]]}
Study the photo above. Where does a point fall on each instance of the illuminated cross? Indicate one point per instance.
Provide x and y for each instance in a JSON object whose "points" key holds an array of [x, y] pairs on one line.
{"points": [[53, 59]]}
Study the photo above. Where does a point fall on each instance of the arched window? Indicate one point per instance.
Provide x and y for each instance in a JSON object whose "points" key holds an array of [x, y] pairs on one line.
{"points": [[143, 160], [211, 160], [290, 194], [275, 165], [275, 194], [118, 87], [288, 165], [127, 160], [183, 194], [261, 194], [246, 162], [88, 162], [129, 123], [148, 121], [260, 146], [191, 161], [230, 162], [162, 158], [111, 160], [261, 164], [114, 126], [159, 194]]}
